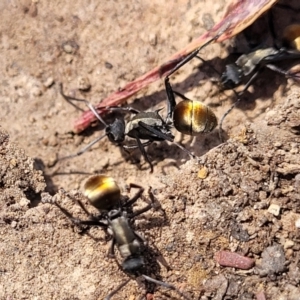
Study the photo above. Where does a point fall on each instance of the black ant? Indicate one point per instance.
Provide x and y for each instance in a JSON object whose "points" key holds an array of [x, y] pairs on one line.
{"points": [[188, 116], [142, 126], [116, 218], [253, 63]]}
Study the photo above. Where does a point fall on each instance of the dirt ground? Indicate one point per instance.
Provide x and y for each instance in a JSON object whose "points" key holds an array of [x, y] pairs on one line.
{"points": [[243, 195]]}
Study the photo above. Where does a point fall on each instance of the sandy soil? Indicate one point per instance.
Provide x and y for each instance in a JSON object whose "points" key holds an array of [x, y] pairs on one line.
{"points": [[248, 202]]}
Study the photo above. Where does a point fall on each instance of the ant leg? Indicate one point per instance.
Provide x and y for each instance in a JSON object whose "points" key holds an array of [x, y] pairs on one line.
{"points": [[138, 194], [111, 250], [89, 105], [209, 65], [181, 96], [87, 147], [165, 137], [77, 221], [170, 95], [126, 147], [195, 52], [238, 95], [144, 153], [281, 71], [108, 297], [62, 191], [171, 99], [166, 285]]}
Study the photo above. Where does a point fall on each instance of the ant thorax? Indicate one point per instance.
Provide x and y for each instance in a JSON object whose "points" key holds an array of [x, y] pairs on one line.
{"points": [[248, 62]]}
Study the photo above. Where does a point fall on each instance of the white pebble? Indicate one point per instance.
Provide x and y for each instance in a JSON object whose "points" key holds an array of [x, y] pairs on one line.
{"points": [[274, 209]]}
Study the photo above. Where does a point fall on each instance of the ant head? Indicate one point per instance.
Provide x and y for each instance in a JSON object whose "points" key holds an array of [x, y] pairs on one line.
{"points": [[231, 77], [116, 131], [133, 264], [102, 192]]}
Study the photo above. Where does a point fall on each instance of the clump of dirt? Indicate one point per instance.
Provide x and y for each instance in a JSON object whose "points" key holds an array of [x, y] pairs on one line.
{"points": [[21, 184], [247, 203]]}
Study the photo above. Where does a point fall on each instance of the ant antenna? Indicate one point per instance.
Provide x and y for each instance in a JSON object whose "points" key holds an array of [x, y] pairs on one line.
{"points": [[88, 104], [166, 285], [108, 297]]}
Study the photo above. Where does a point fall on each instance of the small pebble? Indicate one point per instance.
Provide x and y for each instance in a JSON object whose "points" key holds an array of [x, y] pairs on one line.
{"points": [[83, 83], [52, 160], [24, 202], [32, 119], [297, 223], [234, 260], [69, 58], [273, 261], [52, 141], [277, 144], [48, 82], [260, 296], [202, 173], [36, 91], [108, 65], [153, 39], [297, 182], [274, 209], [68, 48], [288, 244], [149, 296]]}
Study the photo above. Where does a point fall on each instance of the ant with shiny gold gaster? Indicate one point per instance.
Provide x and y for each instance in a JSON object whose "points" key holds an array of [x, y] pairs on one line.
{"points": [[188, 116], [149, 126], [116, 218]]}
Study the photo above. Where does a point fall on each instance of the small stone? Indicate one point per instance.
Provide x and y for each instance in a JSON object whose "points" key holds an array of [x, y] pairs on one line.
{"points": [[297, 223], [36, 91], [288, 244], [274, 209], [234, 260], [13, 224], [153, 39], [13, 162], [83, 84], [277, 144], [24, 202], [297, 182], [48, 82], [32, 119], [273, 261], [68, 48], [52, 160], [289, 253], [202, 173], [260, 296], [52, 141], [69, 58], [108, 65]]}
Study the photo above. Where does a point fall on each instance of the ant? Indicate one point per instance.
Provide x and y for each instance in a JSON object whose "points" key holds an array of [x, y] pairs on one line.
{"points": [[188, 116], [116, 218], [252, 64], [142, 126]]}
